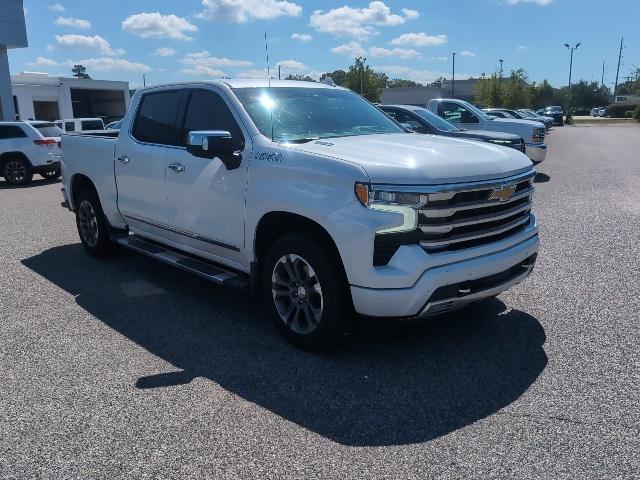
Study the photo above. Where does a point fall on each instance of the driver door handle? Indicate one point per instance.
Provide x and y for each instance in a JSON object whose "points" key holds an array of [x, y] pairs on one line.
{"points": [[123, 159], [177, 167]]}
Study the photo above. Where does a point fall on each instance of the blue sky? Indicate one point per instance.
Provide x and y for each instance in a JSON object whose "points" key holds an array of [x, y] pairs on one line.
{"points": [[199, 39]]}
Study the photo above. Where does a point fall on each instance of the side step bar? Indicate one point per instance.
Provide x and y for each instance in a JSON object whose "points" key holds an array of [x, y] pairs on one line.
{"points": [[205, 269]]}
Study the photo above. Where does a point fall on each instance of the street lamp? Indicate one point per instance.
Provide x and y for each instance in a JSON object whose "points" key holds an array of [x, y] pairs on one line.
{"points": [[453, 76], [570, 71]]}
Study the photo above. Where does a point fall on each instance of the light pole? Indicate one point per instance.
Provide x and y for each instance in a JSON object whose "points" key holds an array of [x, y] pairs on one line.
{"points": [[570, 71], [501, 62], [453, 76]]}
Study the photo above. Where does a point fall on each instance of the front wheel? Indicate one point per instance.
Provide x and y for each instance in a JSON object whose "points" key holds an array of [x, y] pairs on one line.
{"points": [[17, 171], [92, 224], [306, 290]]}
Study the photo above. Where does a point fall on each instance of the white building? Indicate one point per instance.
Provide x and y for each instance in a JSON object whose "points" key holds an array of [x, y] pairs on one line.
{"points": [[13, 34], [39, 96]]}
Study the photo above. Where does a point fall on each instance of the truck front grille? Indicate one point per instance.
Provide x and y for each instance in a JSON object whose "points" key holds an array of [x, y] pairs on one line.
{"points": [[463, 219]]}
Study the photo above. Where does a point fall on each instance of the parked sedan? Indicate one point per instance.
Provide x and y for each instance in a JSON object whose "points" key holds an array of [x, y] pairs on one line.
{"points": [[548, 121], [421, 120], [556, 113]]}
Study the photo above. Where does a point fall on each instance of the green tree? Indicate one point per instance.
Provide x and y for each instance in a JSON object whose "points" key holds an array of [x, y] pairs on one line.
{"points": [[300, 77], [363, 80], [488, 91], [544, 93], [339, 77], [79, 71], [400, 82], [517, 93]]}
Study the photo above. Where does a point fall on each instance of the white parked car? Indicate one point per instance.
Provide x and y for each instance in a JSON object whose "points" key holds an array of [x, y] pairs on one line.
{"points": [[310, 194], [27, 148], [71, 125], [465, 115]]}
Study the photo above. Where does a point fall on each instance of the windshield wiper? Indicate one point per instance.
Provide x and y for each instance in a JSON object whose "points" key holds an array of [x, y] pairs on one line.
{"points": [[303, 140]]}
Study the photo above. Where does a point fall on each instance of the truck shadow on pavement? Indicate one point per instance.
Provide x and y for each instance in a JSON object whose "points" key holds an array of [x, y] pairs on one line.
{"points": [[36, 182], [392, 389]]}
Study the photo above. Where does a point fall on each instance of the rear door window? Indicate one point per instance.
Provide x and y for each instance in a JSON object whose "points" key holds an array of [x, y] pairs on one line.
{"points": [[69, 126], [48, 129], [11, 131], [158, 119]]}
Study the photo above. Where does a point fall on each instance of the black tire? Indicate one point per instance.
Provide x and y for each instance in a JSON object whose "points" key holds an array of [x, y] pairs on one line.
{"points": [[93, 228], [51, 174], [334, 322], [17, 171]]}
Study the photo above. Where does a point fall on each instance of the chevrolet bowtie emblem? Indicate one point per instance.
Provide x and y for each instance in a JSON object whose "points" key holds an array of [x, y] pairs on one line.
{"points": [[503, 194]]}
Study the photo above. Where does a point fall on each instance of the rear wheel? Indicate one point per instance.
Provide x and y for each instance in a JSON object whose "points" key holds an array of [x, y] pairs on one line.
{"points": [[17, 171], [306, 290], [92, 224]]}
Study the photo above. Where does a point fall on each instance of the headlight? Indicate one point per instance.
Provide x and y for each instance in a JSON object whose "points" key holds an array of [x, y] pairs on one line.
{"points": [[386, 199]]}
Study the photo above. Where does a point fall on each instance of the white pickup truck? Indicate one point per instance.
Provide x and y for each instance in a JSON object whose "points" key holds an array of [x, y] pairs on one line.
{"points": [[307, 193], [465, 115]]}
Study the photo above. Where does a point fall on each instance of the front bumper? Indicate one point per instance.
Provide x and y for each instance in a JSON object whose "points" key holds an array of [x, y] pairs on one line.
{"points": [[451, 286], [536, 152]]}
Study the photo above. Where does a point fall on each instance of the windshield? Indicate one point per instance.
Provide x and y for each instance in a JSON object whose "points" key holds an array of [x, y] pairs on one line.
{"points": [[553, 110], [301, 114], [435, 120], [475, 110], [48, 129]]}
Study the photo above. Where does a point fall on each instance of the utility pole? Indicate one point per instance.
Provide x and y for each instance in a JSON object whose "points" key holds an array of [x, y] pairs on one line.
{"points": [[501, 62], [570, 71], [279, 68], [144, 79], [602, 81], [615, 87], [453, 76]]}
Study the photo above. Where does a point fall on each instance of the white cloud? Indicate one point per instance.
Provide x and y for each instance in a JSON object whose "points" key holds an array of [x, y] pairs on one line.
{"points": [[87, 42], [358, 22], [410, 14], [155, 25], [292, 65], [56, 7], [73, 22], [419, 39], [420, 76], [537, 2], [164, 52], [440, 59], [255, 74], [303, 37], [109, 64], [521, 47], [467, 53], [352, 49], [242, 11], [203, 71], [401, 53], [205, 59], [50, 48], [43, 62]]}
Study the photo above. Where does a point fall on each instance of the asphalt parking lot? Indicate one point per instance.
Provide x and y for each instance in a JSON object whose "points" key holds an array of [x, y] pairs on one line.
{"points": [[126, 368]]}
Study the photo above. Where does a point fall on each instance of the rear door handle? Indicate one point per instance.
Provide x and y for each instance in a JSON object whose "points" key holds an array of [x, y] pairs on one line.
{"points": [[177, 167], [123, 159]]}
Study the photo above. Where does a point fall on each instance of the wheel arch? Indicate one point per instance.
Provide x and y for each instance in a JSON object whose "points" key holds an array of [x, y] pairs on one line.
{"points": [[274, 225], [6, 156], [79, 182]]}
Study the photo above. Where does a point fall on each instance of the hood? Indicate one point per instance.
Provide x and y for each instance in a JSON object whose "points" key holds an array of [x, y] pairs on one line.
{"points": [[511, 121], [485, 134], [417, 159]]}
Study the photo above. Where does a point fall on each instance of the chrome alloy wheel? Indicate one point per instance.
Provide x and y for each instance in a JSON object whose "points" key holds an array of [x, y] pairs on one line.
{"points": [[88, 223], [15, 171], [297, 294]]}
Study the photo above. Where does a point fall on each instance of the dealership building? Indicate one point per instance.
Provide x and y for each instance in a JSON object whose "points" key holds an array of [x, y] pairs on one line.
{"points": [[39, 96], [13, 34]]}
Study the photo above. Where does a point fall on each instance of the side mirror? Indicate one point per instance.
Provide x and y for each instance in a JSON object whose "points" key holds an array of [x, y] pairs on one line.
{"points": [[215, 143]]}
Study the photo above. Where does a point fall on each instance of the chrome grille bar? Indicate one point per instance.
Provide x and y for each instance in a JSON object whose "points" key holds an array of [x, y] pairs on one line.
{"points": [[448, 210], [475, 220]]}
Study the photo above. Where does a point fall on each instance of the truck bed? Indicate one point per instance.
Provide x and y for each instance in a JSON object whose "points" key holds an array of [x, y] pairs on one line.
{"points": [[92, 155]]}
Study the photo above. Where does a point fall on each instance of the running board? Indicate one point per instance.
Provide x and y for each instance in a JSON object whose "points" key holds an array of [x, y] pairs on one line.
{"points": [[203, 268]]}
